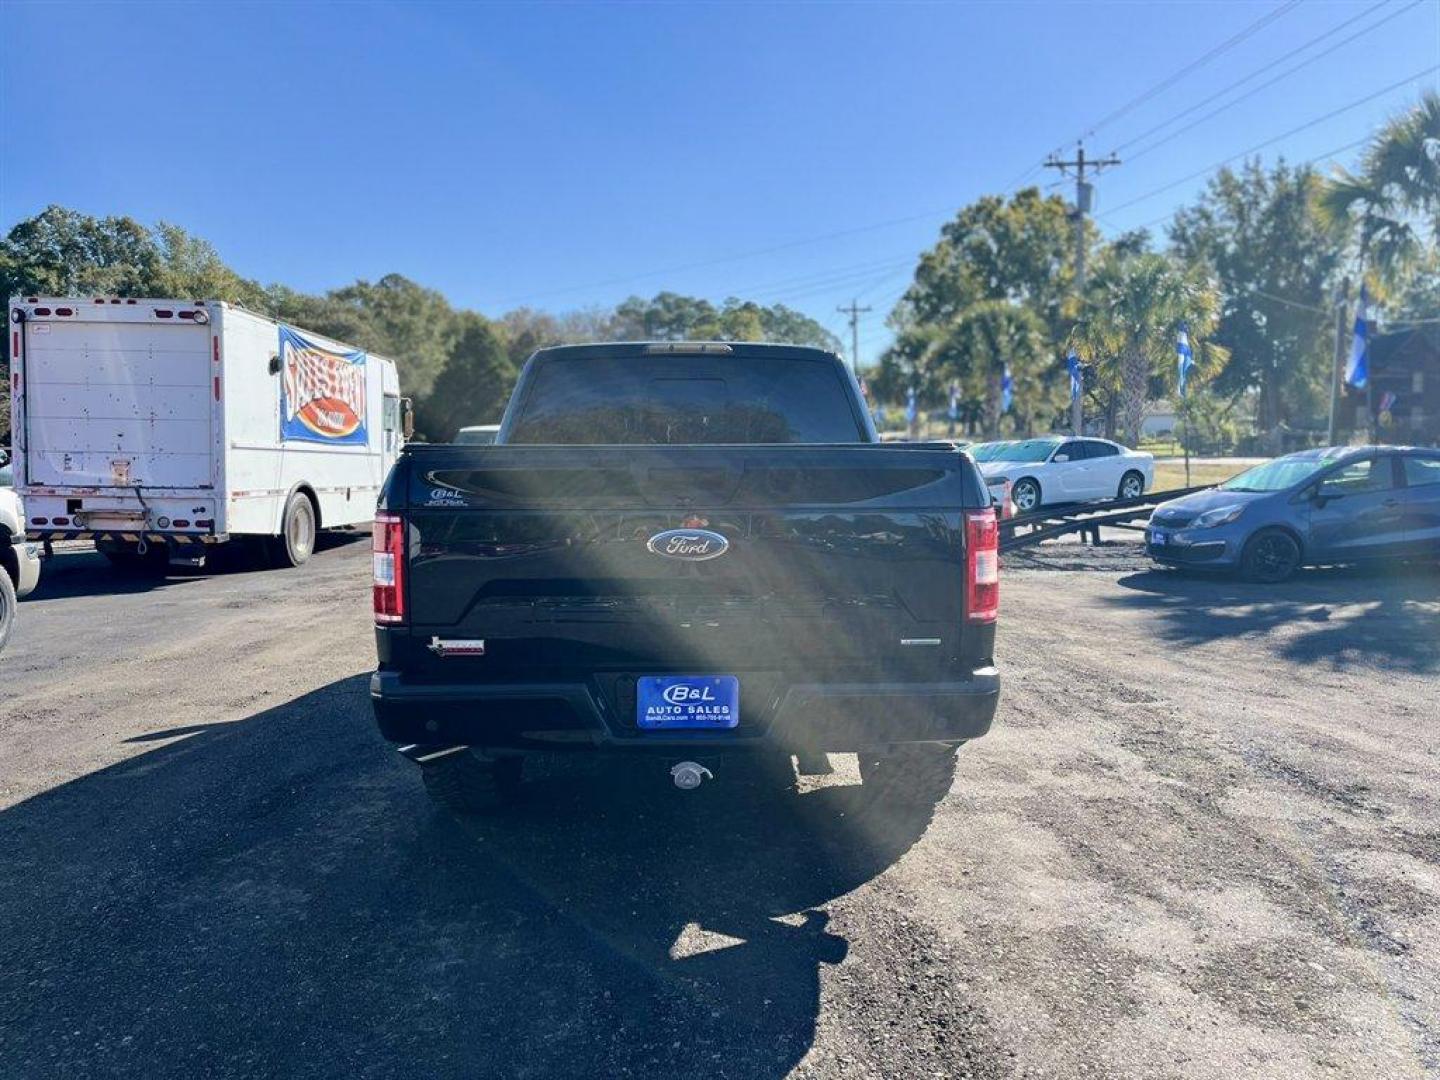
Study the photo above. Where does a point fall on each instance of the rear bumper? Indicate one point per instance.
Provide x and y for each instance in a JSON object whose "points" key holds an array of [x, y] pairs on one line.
{"points": [[573, 715], [121, 517]]}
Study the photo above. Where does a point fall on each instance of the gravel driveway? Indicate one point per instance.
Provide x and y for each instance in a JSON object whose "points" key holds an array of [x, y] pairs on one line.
{"points": [[1203, 840]]}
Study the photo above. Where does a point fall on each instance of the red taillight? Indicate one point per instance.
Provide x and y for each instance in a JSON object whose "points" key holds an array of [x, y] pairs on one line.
{"points": [[389, 556], [982, 566]]}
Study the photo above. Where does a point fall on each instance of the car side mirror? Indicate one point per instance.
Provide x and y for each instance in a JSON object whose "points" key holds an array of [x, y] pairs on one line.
{"points": [[1324, 493], [407, 419], [1061, 457]]}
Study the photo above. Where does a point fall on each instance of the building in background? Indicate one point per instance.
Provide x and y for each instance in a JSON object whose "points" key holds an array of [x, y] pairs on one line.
{"points": [[1403, 398]]}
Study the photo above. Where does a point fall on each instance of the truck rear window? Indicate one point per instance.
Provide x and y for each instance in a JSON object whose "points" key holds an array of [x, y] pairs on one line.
{"points": [[666, 399]]}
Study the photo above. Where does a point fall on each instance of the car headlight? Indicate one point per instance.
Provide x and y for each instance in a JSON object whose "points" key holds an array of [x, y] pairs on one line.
{"points": [[1221, 515]]}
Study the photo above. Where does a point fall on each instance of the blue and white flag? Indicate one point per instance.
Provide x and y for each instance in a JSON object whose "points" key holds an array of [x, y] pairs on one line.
{"points": [[1357, 368], [1184, 358], [954, 401], [1072, 363], [1007, 389], [910, 410]]}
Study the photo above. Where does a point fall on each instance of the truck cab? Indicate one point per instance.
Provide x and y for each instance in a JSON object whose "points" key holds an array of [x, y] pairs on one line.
{"points": [[688, 551]]}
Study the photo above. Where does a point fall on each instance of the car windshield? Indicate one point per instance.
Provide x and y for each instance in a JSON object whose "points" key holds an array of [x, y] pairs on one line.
{"points": [[1031, 450], [1277, 475]]}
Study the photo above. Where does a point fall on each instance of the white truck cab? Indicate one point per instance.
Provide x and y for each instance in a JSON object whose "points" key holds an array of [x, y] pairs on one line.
{"points": [[19, 556], [162, 424]]}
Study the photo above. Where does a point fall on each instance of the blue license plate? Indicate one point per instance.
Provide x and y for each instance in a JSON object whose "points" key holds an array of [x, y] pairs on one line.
{"points": [[1158, 537], [666, 702]]}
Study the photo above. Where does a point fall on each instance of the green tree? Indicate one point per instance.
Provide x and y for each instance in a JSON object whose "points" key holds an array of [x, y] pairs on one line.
{"points": [[1134, 312], [1002, 269], [413, 325], [474, 384], [1389, 210], [190, 267], [62, 252], [669, 316], [1257, 232], [987, 337], [1022, 251]]}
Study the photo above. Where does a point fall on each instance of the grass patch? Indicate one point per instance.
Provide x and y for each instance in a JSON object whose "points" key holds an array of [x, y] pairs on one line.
{"points": [[1171, 474]]}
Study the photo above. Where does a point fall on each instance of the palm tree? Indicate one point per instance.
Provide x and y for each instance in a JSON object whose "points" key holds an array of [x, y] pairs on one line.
{"points": [[1405, 159], [976, 348], [1135, 308], [1390, 208]]}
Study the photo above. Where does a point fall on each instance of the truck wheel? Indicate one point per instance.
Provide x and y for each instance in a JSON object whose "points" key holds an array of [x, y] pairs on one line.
{"points": [[296, 541], [911, 773], [466, 785], [1270, 556], [7, 607]]}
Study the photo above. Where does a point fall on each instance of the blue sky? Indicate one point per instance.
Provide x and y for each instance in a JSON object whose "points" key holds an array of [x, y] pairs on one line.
{"points": [[564, 155]]}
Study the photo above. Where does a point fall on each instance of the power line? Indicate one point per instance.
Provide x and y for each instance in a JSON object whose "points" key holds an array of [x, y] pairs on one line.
{"points": [[1241, 82], [821, 277], [1265, 85], [1309, 161], [737, 257], [1272, 141], [1194, 65]]}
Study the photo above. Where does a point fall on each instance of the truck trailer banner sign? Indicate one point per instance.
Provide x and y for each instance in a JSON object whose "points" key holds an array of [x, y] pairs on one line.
{"points": [[322, 392]]}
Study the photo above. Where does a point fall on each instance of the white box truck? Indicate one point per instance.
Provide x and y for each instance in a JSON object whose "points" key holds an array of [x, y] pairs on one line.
{"points": [[156, 426]]}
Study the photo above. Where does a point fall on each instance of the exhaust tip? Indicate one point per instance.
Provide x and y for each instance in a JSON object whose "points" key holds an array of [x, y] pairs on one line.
{"points": [[689, 774]]}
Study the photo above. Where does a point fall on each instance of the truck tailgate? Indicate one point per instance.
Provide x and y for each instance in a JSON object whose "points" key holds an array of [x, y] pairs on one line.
{"points": [[838, 559]]}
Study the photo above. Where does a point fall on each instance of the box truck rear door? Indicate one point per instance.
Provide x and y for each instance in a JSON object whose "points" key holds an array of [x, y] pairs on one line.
{"points": [[118, 404]]}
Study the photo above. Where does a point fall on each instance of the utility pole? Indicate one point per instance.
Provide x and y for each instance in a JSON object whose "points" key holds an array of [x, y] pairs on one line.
{"points": [[854, 311], [1083, 193], [1337, 373]]}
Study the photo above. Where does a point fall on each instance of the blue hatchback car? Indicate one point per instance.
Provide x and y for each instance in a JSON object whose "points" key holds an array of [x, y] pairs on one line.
{"points": [[1333, 505]]}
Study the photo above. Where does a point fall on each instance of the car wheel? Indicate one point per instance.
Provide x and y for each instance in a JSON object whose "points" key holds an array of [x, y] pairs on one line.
{"points": [[1132, 486], [1025, 495], [296, 541], [1270, 556], [467, 785], [7, 607]]}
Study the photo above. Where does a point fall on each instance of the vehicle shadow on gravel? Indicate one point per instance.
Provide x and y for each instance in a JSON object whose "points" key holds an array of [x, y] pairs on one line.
{"points": [[1336, 616], [86, 572], [276, 896]]}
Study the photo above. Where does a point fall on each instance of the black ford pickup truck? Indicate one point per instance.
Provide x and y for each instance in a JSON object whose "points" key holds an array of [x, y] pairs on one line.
{"points": [[687, 550]]}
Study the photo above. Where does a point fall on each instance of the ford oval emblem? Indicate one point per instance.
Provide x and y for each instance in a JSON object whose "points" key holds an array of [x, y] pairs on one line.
{"points": [[694, 545]]}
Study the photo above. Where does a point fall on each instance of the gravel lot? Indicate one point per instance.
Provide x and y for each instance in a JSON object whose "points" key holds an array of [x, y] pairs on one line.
{"points": [[1203, 840]]}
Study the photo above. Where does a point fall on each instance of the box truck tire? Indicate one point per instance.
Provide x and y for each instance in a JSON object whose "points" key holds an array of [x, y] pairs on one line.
{"points": [[297, 532]]}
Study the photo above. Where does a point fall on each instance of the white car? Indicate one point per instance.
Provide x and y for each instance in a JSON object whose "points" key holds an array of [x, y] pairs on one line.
{"points": [[1057, 469]]}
